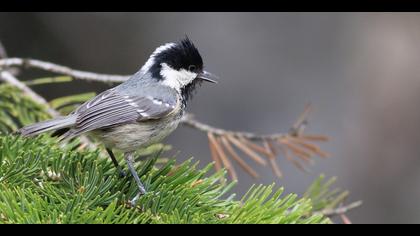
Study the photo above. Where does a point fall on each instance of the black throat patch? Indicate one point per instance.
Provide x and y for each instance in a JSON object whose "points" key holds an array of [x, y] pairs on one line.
{"points": [[189, 90]]}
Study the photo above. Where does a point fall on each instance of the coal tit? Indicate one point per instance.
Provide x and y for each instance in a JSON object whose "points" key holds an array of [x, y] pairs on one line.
{"points": [[139, 112]]}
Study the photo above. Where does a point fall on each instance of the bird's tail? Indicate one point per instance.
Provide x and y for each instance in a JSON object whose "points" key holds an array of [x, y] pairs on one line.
{"points": [[48, 125]]}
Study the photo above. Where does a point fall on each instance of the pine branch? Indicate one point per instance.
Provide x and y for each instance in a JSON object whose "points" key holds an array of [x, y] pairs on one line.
{"points": [[41, 182]]}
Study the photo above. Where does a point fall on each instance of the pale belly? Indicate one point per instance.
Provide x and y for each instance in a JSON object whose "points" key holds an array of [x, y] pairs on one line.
{"points": [[131, 137]]}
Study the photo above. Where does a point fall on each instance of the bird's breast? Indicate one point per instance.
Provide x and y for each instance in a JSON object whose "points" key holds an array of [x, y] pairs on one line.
{"points": [[132, 136]]}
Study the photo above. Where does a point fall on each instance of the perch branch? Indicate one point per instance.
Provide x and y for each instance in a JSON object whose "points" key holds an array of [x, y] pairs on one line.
{"points": [[59, 69]]}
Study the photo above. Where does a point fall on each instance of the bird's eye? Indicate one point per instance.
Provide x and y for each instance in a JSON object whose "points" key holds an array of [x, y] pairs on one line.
{"points": [[192, 68]]}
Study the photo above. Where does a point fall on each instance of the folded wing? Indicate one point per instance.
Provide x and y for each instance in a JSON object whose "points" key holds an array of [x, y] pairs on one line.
{"points": [[110, 108]]}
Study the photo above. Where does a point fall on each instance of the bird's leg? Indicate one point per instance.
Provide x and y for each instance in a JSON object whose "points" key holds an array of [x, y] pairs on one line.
{"points": [[114, 160], [130, 162]]}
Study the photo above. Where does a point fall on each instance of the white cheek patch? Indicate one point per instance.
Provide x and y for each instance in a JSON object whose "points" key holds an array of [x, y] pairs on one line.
{"points": [[176, 78]]}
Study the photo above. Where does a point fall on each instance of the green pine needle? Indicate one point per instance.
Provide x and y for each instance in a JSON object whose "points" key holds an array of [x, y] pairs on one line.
{"points": [[42, 181]]}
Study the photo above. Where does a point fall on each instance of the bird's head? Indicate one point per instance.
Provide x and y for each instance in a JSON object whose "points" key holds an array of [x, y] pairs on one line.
{"points": [[178, 65]]}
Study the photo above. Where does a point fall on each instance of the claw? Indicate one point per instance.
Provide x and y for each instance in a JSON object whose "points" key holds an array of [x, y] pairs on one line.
{"points": [[133, 202]]}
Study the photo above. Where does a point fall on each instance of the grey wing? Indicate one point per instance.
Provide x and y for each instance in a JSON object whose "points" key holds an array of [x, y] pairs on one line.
{"points": [[111, 108]]}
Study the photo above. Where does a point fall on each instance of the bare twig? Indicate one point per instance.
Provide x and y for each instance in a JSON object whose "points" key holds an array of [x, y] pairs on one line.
{"points": [[190, 121], [59, 69], [301, 122]]}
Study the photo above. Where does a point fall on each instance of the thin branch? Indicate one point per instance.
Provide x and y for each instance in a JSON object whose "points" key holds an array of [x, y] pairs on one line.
{"points": [[59, 69], [190, 121], [301, 122]]}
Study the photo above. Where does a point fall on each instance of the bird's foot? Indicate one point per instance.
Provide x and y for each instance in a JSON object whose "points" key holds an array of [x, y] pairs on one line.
{"points": [[141, 188], [133, 202]]}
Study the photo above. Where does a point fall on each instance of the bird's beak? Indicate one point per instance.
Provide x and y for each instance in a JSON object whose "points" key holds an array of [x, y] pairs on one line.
{"points": [[207, 76]]}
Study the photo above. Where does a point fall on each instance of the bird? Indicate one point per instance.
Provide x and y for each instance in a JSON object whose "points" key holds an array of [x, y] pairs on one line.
{"points": [[139, 112]]}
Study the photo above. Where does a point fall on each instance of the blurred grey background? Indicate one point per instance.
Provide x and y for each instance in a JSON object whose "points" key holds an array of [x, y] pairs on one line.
{"points": [[360, 71]]}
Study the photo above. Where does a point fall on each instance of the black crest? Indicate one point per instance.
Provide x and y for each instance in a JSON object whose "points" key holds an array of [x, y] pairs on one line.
{"points": [[180, 56]]}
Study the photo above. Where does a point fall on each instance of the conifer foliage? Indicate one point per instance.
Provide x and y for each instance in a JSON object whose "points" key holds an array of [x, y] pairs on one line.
{"points": [[42, 181]]}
